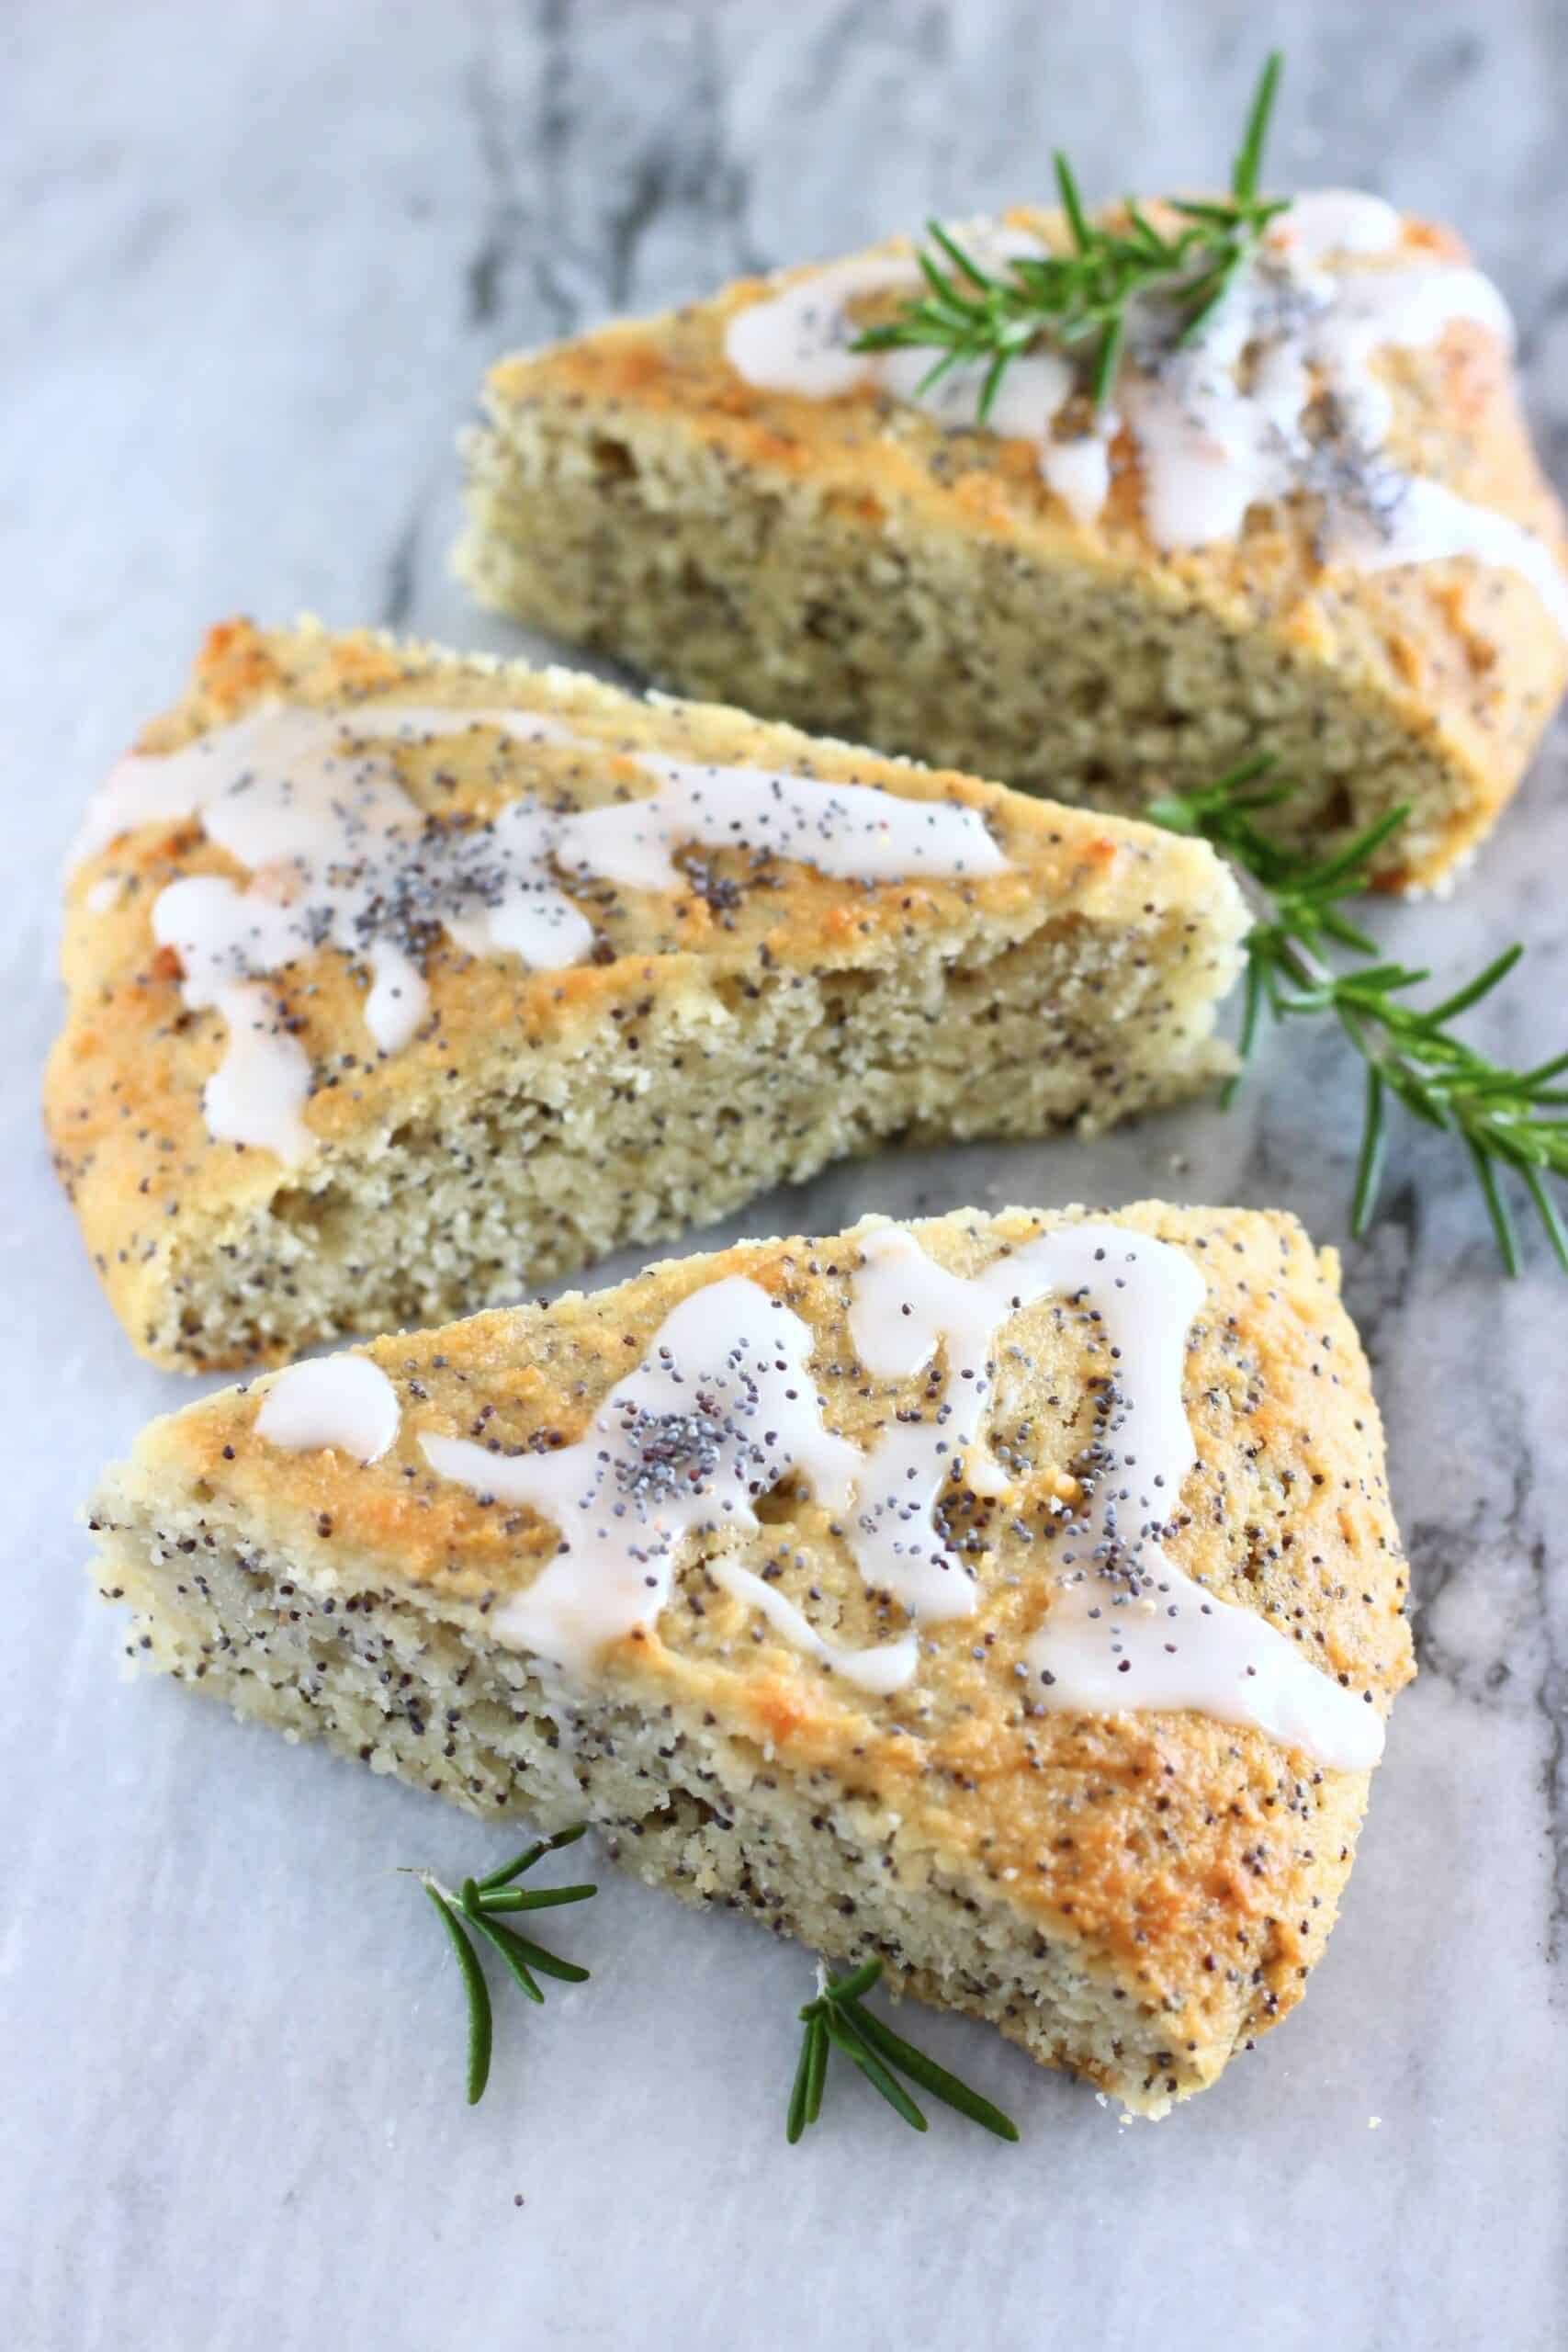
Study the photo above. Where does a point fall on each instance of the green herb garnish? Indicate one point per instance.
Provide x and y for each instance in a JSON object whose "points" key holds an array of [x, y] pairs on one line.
{"points": [[474, 1907], [836, 2020], [1506, 1119], [971, 316]]}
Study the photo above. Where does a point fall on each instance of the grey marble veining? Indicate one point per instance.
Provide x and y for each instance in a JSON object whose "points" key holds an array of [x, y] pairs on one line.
{"points": [[255, 259]]}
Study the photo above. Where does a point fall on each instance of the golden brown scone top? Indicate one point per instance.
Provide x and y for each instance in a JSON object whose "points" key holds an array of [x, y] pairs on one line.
{"points": [[123, 1097], [1202, 1860], [1455, 645]]}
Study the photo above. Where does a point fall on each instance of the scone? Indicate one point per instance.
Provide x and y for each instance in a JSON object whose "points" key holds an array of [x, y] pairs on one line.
{"points": [[1014, 1598], [399, 981], [1317, 530]]}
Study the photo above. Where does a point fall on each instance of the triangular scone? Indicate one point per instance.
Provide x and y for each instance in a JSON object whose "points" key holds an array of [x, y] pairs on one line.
{"points": [[1320, 529], [1016, 1598], [400, 981]]}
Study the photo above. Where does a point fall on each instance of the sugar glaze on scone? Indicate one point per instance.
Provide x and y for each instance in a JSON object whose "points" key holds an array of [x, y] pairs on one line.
{"points": [[339, 856], [1016, 1598], [399, 981], [1318, 528]]}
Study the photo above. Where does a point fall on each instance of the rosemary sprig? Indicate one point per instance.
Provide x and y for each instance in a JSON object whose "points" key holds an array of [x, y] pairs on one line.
{"points": [[837, 2020], [1507, 1120], [472, 1911], [971, 316]]}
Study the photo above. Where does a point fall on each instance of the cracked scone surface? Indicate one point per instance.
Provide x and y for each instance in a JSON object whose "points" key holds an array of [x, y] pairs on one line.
{"points": [[846, 558], [746, 1026], [1132, 1895]]}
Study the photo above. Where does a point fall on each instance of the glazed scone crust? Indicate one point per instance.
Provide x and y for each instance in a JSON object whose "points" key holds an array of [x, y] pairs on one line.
{"points": [[161, 1201], [1431, 683], [1190, 1870]]}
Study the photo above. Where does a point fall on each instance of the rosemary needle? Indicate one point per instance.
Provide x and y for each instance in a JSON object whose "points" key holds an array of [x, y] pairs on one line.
{"points": [[1507, 1120], [511, 1951], [838, 2019], [543, 1963], [841, 2032], [1083, 299], [817, 2057], [932, 2078], [801, 2092], [481, 2028], [473, 1908], [531, 1854], [543, 1898]]}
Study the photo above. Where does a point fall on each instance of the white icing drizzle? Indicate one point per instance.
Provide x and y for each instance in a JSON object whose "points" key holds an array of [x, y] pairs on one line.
{"points": [[884, 1669], [149, 788], [1337, 220], [102, 895], [723, 1408], [1126, 1628], [851, 831], [257, 1094], [345, 1402], [340, 856], [1430, 521], [1224, 425], [903, 1310], [800, 341], [720, 1409], [1404, 310]]}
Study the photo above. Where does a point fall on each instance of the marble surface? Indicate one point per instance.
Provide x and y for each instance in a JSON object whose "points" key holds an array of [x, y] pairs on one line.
{"points": [[255, 259]]}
